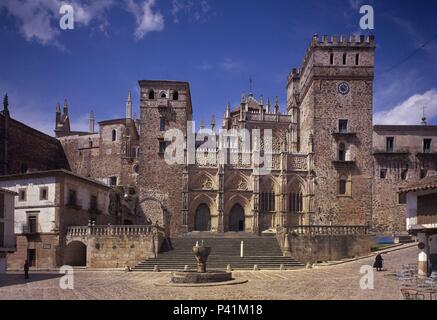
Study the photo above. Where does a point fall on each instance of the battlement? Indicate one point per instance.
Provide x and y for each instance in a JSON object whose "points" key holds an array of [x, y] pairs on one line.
{"points": [[333, 42]]}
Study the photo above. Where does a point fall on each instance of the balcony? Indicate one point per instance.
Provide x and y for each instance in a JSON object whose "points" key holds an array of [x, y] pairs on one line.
{"points": [[30, 229], [344, 134], [344, 163], [427, 219], [384, 152]]}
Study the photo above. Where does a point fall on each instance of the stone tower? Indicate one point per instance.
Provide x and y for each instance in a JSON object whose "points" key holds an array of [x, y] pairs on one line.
{"points": [[165, 105], [331, 101]]}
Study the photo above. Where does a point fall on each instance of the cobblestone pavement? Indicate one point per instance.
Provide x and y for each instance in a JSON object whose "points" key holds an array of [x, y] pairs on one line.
{"points": [[333, 282]]}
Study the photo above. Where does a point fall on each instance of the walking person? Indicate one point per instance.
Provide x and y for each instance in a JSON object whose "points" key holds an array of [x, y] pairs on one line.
{"points": [[26, 270], [378, 262]]}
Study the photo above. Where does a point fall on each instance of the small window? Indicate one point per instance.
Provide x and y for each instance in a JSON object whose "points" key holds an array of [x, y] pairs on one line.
{"points": [[357, 59], [342, 125], [402, 198], [72, 197], [344, 58], [44, 193], [427, 145], [331, 59], [114, 135], [404, 174], [342, 186], [383, 173], [162, 146], [163, 95], [151, 95], [390, 144], [175, 95], [162, 124], [341, 152], [113, 181], [22, 195], [136, 169], [32, 223]]}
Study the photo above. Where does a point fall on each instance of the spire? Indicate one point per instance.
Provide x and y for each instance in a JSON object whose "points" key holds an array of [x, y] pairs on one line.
{"points": [[276, 104], [65, 107], [91, 122], [228, 111], [250, 86], [268, 105], [129, 106], [6, 105], [213, 122], [423, 123], [58, 108]]}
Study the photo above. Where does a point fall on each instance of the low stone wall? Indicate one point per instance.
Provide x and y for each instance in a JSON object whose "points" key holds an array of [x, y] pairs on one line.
{"points": [[114, 246], [318, 244]]}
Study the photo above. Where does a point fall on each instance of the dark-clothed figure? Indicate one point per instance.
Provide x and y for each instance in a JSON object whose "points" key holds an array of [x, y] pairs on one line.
{"points": [[26, 270], [378, 262]]}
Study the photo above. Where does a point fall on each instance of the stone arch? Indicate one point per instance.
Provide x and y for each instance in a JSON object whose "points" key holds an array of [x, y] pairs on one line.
{"points": [[204, 181], [197, 201], [269, 183], [295, 182], [237, 218], [75, 254], [238, 182], [242, 201], [202, 218]]}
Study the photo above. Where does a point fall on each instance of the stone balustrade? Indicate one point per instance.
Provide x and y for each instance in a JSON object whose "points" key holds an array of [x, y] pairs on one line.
{"points": [[327, 230], [111, 230]]}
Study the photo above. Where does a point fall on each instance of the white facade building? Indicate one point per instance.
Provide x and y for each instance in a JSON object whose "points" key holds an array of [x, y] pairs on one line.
{"points": [[7, 237]]}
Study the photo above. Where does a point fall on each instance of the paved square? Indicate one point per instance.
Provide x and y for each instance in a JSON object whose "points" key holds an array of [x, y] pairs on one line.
{"points": [[333, 282]]}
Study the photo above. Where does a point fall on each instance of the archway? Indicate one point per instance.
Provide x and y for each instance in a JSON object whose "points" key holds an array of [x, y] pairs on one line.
{"points": [[75, 254], [202, 219], [236, 219]]}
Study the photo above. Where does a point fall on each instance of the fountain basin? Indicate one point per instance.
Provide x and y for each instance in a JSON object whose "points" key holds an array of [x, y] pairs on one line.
{"points": [[200, 278]]}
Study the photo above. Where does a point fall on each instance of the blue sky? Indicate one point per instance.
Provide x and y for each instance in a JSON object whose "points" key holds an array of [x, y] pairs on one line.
{"points": [[216, 45]]}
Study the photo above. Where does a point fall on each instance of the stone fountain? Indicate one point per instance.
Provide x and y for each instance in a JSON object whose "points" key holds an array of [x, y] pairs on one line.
{"points": [[201, 276]]}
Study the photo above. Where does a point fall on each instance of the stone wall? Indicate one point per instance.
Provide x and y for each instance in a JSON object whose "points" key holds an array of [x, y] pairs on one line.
{"points": [[23, 148], [319, 248]]}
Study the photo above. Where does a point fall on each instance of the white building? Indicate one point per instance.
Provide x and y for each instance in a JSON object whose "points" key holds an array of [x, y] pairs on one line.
{"points": [[422, 221], [7, 236], [49, 202]]}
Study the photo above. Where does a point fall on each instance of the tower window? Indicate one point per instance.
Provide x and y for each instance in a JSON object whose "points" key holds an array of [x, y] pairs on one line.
{"points": [[151, 95], [404, 175], [341, 152], [390, 144], [331, 59], [357, 59], [342, 186], [114, 135], [344, 58], [163, 95], [427, 145], [383, 173], [342, 126], [175, 95], [113, 181], [162, 124]]}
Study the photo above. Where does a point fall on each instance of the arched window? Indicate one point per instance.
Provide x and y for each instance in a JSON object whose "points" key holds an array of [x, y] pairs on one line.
{"points": [[114, 135], [357, 59], [151, 95], [341, 152], [342, 186], [344, 58], [331, 58], [163, 95], [295, 202], [175, 95], [267, 201]]}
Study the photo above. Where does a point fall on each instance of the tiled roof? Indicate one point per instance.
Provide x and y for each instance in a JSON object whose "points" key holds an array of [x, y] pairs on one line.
{"points": [[427, 183]]}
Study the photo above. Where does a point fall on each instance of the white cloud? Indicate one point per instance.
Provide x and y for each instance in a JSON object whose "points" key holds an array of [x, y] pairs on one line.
{"points": [[39, 19], [146, 18], [410, 111], [196, 10], [230, 65]]}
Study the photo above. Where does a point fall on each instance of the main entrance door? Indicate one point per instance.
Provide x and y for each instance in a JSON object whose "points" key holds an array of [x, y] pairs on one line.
{"points": [[202, 220], [236, 218]]}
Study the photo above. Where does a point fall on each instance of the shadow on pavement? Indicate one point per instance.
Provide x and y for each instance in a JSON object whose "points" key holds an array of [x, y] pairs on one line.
{"points": [[17, 279]]}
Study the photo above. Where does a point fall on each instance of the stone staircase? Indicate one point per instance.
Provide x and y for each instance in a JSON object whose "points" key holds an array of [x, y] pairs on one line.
{"points": [[261, 251]]}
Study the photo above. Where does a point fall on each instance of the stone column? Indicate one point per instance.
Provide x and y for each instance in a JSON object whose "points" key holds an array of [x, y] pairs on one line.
{"points": [[220, 199], [423, 254]]}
